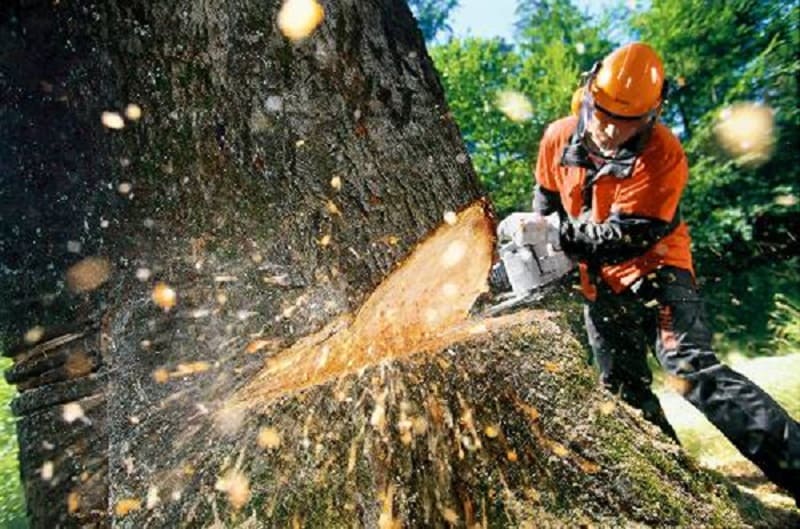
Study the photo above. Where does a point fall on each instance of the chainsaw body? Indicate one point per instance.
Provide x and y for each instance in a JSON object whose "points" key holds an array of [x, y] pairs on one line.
{"points": [[530, 259]]}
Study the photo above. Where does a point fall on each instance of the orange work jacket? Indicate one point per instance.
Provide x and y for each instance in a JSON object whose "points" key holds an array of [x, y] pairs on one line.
{"points": [[653, 189]]}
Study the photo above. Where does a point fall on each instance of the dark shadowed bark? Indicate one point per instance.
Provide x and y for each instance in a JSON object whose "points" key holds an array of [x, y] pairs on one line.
{"points": [[233, 175], [273, 186]]}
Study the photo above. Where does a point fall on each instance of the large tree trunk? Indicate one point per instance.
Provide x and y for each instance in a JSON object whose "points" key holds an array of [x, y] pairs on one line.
{"points": [[275, 186]]}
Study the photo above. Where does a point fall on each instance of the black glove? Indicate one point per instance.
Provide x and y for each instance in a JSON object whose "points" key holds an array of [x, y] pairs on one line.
{"points": [[614, 241]]}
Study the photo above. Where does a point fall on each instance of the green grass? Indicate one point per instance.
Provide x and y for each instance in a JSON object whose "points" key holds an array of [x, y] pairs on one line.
{"points": [[12, 503]]}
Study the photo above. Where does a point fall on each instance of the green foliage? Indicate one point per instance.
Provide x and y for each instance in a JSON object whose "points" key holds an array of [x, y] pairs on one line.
{"points": [[545, 23], [544, 65], [752, 310], [12, 503], [432, 16], [473, 72]]}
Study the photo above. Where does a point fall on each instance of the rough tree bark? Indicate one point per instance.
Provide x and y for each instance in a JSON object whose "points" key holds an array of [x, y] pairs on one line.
{"points": [[274, 186]]}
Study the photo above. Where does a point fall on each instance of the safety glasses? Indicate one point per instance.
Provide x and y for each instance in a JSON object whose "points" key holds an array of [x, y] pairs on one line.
{"points": [[614, 125], [608, 129]]}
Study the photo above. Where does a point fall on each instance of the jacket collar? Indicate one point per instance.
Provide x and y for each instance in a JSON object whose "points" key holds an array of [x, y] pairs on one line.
{"points": [[621, 165]]}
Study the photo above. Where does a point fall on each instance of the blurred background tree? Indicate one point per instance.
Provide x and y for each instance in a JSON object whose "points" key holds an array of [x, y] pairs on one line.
{"points": [[744, 213]]}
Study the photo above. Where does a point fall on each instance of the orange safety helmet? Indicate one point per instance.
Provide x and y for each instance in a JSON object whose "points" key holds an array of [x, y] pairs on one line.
{"points": [[629, 82]]}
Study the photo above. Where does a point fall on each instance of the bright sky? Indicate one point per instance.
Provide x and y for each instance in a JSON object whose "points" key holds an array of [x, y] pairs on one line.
{"points": [[490, 18], [480, 18]]}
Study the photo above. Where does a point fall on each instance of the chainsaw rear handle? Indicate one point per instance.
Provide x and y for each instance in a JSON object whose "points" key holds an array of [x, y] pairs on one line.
{"points": [[523, 229], [530, 229]]}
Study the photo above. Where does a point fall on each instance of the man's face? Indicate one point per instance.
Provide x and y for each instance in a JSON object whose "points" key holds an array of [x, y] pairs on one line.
{"points": [[608, 133]]}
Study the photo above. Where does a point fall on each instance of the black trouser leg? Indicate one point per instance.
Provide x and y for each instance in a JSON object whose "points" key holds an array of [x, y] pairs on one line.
{"points": [[619, 333], [757, 425]]}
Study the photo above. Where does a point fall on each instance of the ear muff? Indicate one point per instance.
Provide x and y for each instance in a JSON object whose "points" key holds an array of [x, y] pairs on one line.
{"points": [[666, 90], [581, 96]]}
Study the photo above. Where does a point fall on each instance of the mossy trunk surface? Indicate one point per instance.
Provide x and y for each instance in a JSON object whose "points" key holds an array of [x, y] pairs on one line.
{"points": [[274, 185]]}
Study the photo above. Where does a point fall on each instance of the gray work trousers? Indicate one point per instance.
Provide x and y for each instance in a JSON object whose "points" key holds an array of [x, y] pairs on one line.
{"points": [[665, 311]]}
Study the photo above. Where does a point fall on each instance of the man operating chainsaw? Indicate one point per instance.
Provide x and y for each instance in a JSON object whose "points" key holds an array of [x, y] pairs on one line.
{"points": [[614, 175]]}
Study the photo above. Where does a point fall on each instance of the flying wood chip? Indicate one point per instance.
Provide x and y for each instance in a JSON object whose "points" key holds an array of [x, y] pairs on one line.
{"points": [[257, 345], [190, 368], [269, 438], [516, 106], [152, 497], [298, 19], [237, 486], [47, 470], [747, 132], [332, 208], [161, 375], [73, 502], [34, 334], [164, 296], [88, 274], [112, 120], [491, 431], [133, 112], [71, 412], [126, 506]]}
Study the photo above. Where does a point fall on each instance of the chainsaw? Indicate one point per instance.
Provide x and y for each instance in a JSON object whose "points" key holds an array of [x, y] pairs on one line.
{"points": [[531, 263]]}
